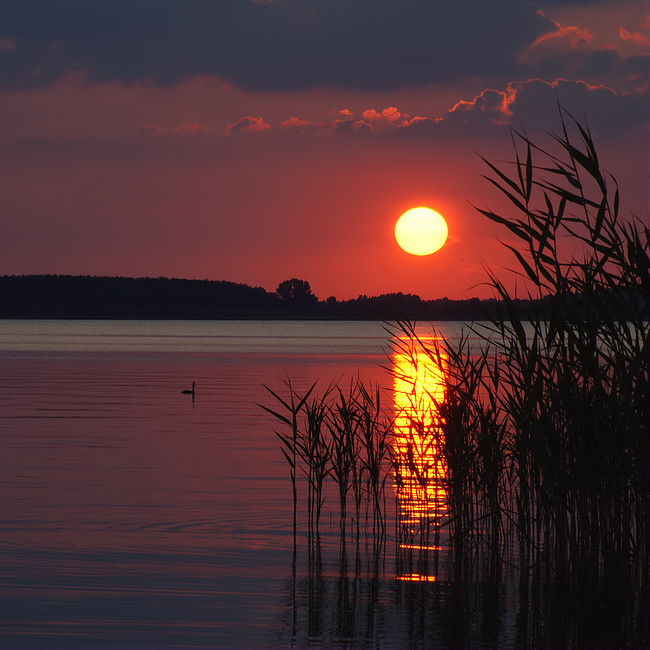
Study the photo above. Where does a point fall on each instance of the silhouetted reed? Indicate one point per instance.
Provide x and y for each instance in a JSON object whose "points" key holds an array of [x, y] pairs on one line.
{"points": [[290, 441], [544, 414], [530, 447], [340, 436], [376, 449]]}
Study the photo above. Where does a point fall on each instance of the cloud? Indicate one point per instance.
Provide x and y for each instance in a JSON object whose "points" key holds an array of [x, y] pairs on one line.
{"points": [[567, 50], [301, 126], [531, 103], [564, 38], [283, 45], [191, 128], [371, 120], [488, 106], [575, 52], [350, 125], [248, 123], [385, 120], [390, 115], [635, 70], [535, 102], [635, 37]]}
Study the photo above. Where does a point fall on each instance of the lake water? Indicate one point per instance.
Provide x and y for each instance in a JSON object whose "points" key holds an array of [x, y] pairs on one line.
{"points": [[136, 516]]}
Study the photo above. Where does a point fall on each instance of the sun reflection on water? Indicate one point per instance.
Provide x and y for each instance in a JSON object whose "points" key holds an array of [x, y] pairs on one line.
{"points": [[420, 468]]}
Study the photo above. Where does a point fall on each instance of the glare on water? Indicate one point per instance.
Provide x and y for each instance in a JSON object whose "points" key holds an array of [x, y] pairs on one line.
{"points": [[418, 385]]}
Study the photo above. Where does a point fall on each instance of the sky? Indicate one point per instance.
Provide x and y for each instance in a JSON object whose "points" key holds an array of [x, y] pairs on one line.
{"points": [[256, 141]]}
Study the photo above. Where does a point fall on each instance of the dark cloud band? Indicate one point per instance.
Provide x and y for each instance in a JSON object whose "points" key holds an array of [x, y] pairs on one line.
{"points": [[281, 45]]}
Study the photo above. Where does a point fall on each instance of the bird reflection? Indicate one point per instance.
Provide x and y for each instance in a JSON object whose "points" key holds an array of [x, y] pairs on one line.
{"points": [[420, 468]]}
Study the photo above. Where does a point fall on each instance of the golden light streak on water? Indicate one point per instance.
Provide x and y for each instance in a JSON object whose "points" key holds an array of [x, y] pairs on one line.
{"points": [[420, 473], [416, 577]]}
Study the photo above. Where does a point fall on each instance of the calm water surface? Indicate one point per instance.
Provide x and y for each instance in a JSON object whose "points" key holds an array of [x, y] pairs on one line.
{"points": [[134, 515]]}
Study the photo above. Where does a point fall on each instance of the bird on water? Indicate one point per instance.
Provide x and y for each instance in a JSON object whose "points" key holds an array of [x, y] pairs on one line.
{"points": [[187, 391]]}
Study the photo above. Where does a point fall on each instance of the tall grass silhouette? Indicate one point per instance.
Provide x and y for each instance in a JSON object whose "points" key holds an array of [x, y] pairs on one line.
{"points": [[341, 436], [542, 424], [544, 419]]}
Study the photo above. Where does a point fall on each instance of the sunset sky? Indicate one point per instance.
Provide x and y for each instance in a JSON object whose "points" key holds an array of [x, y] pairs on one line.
{"points": [[259, 140]]}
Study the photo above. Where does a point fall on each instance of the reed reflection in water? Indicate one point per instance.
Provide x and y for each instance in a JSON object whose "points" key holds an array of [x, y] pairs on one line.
{"points": [[420, 470]]}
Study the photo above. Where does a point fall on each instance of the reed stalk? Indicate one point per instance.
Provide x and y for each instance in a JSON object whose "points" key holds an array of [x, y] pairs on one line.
{"points": [[377, 434], [545, 424], [542, 425], [342, 436], [343, 427], [315, 451], [293, 405]]}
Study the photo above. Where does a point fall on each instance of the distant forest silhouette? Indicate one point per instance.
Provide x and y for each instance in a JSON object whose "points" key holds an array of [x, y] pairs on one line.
{"points": [[65, 296]]}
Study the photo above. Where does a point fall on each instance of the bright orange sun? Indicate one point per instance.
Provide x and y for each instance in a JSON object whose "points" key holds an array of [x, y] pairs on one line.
{"points": [[421, 231]]}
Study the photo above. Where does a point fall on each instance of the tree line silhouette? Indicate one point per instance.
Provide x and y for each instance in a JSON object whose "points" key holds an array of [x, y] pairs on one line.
{"points": [[66, 296]]}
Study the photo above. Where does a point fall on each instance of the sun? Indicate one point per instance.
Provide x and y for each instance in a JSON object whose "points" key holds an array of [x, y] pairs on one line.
{"points": [[421, 231]]}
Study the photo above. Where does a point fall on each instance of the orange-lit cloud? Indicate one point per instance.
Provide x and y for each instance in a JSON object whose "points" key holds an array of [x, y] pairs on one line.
{"points": [[301, 126], [390, 115], [570, 36], [248, 123], [419, 123], [635, 37], [565, 49], [520, 102], [490, 105], [345, 121]]}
